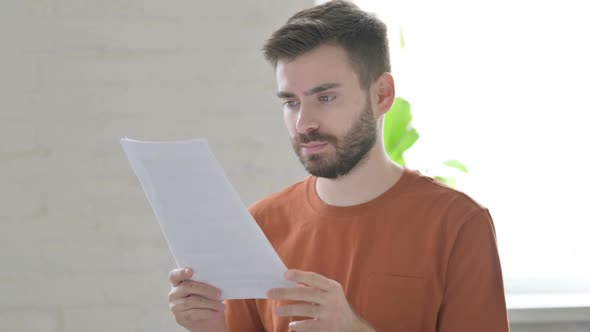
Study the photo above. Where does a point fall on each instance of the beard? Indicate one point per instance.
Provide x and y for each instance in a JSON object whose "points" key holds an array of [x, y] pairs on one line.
{"points": [[350, 149]]}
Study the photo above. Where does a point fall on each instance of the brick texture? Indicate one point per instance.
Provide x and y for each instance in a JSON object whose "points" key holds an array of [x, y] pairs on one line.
{"points": [[80, 249]]}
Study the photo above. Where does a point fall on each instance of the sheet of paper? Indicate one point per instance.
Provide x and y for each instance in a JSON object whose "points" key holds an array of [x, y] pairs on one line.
{"points": [[203, 219]]}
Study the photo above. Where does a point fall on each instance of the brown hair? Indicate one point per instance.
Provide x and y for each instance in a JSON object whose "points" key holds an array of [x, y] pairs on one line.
{"points": [[362, 35]]}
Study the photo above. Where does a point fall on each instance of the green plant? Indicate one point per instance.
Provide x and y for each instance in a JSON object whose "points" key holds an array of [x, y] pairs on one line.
{"points": [[399, 135]]}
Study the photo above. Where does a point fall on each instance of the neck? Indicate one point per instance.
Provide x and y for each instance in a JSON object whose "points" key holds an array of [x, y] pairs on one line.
{"points": [[373, 176]]}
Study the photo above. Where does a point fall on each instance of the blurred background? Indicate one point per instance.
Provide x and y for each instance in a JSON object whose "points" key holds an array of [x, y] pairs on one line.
{"points": [[501, 86]]}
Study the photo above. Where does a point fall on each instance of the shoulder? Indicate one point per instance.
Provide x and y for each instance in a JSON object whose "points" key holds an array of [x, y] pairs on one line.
{"points": [[423, 185], [459, 222], [456, 206], [287, 197]]}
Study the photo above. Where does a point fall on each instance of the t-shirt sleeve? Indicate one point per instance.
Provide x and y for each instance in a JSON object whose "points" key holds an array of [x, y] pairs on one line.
{"points": [[474, 291], [242, 316]]}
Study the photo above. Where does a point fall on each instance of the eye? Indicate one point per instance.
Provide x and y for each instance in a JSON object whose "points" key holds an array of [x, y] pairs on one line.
{"points": [[327, 99], [290, 103]]}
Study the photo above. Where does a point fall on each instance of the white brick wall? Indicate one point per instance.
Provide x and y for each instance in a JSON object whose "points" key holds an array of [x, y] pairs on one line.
{"points": [[80, 249]]}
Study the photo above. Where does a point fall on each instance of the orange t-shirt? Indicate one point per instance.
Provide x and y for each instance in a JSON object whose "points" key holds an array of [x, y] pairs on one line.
{"points": [[420, 257]]}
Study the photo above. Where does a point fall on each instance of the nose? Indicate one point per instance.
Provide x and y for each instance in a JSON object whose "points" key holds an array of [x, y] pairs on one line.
{"points": [[306, 120]]}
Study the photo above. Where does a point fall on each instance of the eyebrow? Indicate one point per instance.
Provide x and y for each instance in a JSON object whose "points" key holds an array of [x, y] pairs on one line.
{"points": [[317, 89]]}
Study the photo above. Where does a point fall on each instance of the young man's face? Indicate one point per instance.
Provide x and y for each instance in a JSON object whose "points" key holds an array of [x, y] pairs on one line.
{"points": [[328, 115]]}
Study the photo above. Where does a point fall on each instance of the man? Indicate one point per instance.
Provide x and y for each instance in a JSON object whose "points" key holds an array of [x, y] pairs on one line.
{"points": [[374, 246]]}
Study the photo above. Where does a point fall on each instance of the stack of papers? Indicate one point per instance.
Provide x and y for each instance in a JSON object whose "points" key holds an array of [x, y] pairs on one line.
{"points": [[206, 225]]}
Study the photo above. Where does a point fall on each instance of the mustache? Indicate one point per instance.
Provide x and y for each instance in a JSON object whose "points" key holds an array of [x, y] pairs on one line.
{"points": [[313, 136]]}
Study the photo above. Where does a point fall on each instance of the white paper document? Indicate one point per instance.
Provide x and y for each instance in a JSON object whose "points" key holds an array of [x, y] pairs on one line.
{"points": [[205, 223]]}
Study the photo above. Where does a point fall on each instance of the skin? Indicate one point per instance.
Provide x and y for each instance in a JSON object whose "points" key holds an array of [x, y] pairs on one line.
{"points": [[333, 112], [323, 102], [195, 305]]}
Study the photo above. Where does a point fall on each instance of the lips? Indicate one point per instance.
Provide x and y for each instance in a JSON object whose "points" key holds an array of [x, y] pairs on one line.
{"points": [[313, 147]]}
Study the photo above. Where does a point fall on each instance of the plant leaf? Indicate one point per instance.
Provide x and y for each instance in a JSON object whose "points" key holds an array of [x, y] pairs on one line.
{"points": [[406, 141], [402, 38], [396, 123], [398, 159], [456, 165], [449, 181], [396, 153]]}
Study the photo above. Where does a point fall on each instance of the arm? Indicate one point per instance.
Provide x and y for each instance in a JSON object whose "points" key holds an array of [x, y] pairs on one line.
{"points": [[474, 292]]}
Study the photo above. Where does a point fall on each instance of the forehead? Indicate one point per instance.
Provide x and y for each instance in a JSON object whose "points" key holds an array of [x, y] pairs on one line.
{"points": [[324, 64]]}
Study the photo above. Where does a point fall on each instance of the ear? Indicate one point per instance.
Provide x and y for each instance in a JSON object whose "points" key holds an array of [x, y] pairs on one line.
{"points": [[385, 92]]}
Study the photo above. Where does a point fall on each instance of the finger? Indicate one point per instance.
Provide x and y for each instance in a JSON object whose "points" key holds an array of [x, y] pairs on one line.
{"points": [[305, 325], [179, 275], [196, 302], [305, 294], [310, 279], [191, 287], [195, 315], [300, 310], [202, 289]]}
